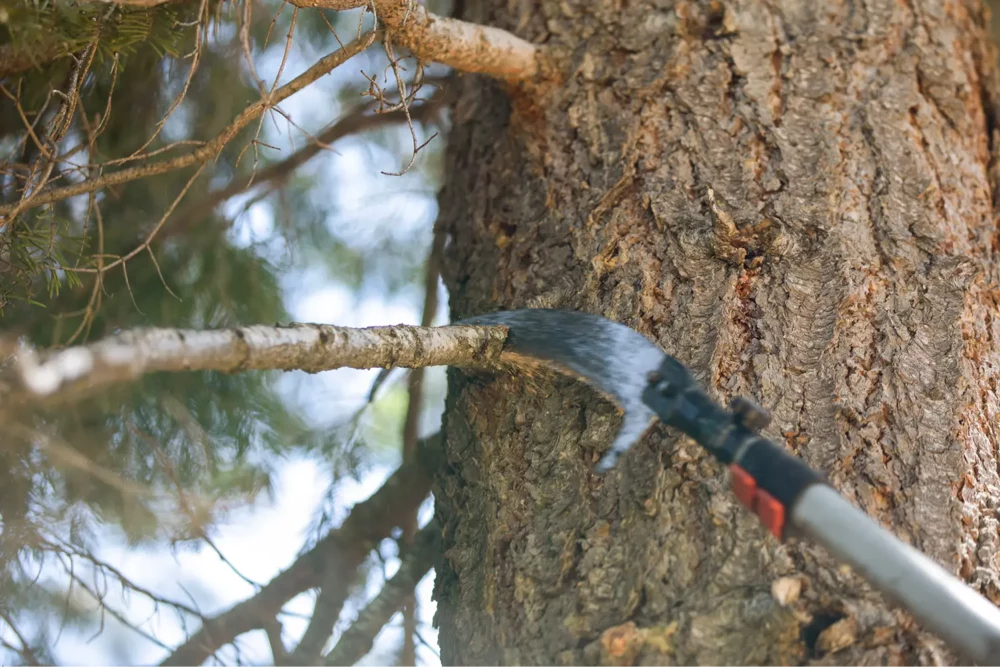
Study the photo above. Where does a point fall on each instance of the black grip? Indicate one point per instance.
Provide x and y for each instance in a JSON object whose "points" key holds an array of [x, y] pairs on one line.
{"points": [[675, 397], [776, 471]]}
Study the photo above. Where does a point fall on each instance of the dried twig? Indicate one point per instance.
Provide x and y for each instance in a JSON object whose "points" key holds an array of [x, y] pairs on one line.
{"points": [[309, 347]]}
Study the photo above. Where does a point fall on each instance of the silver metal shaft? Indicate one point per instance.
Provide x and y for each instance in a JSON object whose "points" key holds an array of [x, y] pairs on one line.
{"points": [[940, 601]]}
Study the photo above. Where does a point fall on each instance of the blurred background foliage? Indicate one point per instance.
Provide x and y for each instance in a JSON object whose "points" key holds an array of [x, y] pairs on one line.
{"points": [[179, 463], [89, 88]]}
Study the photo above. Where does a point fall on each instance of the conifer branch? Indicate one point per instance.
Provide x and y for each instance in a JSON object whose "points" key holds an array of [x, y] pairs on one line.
{"points": [[203, 153], [308, 347]]}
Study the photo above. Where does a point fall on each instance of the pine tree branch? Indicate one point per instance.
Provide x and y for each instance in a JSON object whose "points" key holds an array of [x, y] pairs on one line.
{"points": [[342, 551], [468, 47], [308, 347], [203, 153], [358, 639]]}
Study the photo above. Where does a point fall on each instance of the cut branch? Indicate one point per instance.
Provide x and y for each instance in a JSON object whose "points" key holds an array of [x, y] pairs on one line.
{"points": [[358, 639], [342, 550], [468, 47], [308, 347], [204, 153]]}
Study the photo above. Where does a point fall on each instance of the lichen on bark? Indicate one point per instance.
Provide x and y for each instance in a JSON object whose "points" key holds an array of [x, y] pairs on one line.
{"points": [[797, 199]]}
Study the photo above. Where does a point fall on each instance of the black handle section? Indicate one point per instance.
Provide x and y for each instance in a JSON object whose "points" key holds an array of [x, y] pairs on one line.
{"points": [[776, 471], [675, 397]]}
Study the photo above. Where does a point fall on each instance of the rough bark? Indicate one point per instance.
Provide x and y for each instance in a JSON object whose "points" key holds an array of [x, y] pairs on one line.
{"points": [[845, 277]]}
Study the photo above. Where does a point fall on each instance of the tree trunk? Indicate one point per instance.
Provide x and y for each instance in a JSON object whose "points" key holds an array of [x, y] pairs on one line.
{"points": [[797, 200]]}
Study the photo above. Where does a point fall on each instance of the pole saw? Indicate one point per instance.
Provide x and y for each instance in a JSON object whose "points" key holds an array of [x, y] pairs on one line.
{"points": [[788, 497]]}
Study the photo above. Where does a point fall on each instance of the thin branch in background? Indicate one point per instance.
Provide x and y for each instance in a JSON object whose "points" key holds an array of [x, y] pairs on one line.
{"points": [[427, 645], [411, 423], [329, 603], [103, 124], [25, 651], [59, 124], [358, 120], [195, 60], [145, 244], [185, 505], [309, 347], [274, 630], [333, 32], [358, 639], [245, 42], [29, 126], [58, 545], [97, 291], [288, 48], [106, 608], [203, 154], [256, 141], [342, 550]]}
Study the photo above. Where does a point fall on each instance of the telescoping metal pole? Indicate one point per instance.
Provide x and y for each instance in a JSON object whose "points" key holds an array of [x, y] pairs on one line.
{"points": [[791, 498]]}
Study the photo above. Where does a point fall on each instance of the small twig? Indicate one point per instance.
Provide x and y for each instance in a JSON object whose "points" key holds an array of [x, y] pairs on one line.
{"points": [[245, 42], [405, 104], [309, 347], [145, 245], [288, 48], [195, 60]]}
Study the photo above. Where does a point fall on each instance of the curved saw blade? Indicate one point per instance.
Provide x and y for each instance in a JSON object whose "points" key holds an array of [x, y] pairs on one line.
{"points": [[613, 358]]}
